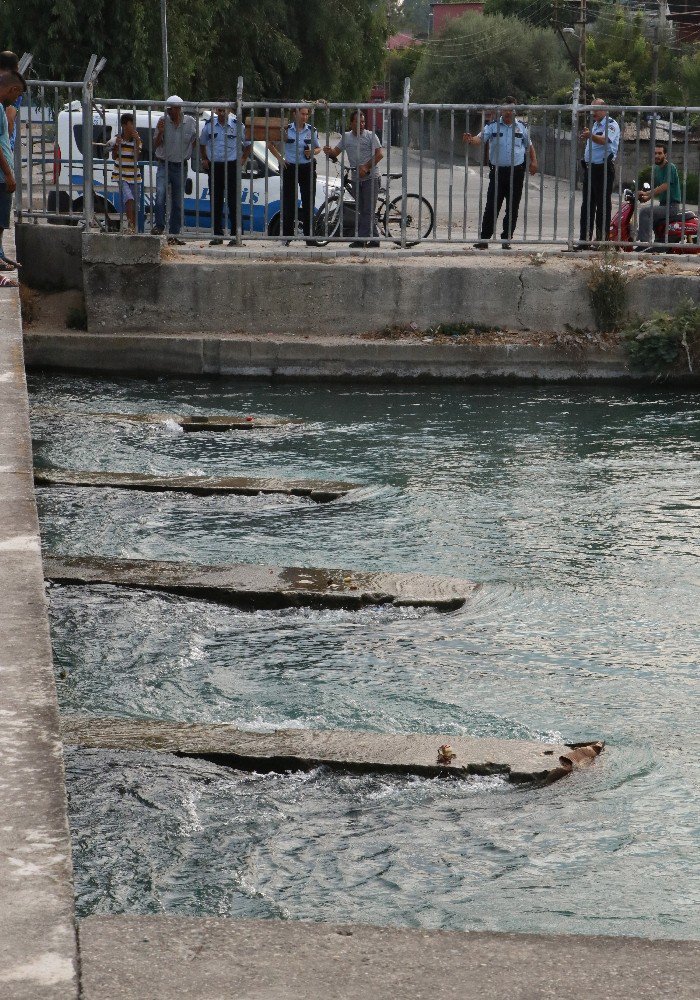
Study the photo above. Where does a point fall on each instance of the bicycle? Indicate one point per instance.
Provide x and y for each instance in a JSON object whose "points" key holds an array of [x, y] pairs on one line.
{"points": [[337, 218]]}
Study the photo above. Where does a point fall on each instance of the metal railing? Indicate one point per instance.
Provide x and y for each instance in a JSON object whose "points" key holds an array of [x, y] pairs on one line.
{"points": [[430, 188]]}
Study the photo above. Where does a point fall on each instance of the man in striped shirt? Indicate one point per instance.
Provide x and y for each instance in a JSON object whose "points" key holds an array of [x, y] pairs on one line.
{"points": [[126, 152]]}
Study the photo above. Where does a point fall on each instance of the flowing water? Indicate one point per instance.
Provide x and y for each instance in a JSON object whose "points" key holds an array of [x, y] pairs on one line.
{"points": [[577, 510]]}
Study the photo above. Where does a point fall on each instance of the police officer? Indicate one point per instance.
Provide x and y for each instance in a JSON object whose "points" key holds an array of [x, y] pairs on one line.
{"points": [[509, 147], [598, 166], [218, 145], [301, 146]]}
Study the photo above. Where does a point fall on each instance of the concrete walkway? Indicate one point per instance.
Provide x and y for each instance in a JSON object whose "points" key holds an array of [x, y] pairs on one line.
{"points": [[37, 932]]}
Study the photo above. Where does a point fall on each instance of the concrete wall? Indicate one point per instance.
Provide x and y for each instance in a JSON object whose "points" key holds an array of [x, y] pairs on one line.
{"points": [[350, 296], [51, 256], [37, 933]]}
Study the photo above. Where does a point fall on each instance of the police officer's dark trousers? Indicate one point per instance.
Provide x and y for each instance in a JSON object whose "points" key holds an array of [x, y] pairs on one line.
{"points": [[222, 186], [503, 181], [305, 183], [598, 184]]}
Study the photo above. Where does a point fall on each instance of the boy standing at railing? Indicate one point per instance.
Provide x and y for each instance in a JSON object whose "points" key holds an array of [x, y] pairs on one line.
{"points": [[126, 152]]}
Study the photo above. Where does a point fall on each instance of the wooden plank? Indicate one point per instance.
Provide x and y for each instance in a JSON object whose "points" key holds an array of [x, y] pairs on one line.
{"points": [[348, 750]]}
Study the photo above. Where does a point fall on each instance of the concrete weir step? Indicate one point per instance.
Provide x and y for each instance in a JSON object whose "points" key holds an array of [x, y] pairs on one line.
{"points": [[190, 423], [322, 491], [246, 585], [183, 958], [426, 754]]}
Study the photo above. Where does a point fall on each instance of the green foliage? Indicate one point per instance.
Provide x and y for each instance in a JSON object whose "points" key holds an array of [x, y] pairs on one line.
{"points": [[607, 286], [479, 59], [690, 77], [327, 50], [666, 343], [620, 58], [400, 64]]}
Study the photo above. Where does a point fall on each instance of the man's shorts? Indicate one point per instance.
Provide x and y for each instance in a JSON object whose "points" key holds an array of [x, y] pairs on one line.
{"points": [[5, 206], [129, 191]]}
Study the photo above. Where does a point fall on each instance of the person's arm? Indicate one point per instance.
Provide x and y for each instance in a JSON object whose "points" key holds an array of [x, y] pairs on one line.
{"points": [[333, 152], [160, 133], [533, 160], [366, 168], [11, 113], [247, 146], [10, 183], [472, 140]]}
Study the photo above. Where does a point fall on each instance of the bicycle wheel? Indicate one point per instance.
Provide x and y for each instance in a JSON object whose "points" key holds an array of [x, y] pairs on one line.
{"points": [[327, 221], [419, 219]]}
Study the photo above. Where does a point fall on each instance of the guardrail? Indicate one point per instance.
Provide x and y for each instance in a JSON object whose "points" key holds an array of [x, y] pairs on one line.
{"points": [[430, 187]]}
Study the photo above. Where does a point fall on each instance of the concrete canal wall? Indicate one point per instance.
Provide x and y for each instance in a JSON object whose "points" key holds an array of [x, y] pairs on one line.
{"points": [[307, 312], [37, 931]]}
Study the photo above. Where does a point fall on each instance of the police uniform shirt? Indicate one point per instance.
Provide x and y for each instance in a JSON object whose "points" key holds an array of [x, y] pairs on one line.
{"points": [[294, 143], [597, 152], [221, 141], [508, 144]]}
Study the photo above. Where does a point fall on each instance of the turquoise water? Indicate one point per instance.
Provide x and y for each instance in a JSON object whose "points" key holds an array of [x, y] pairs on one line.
{"points": [[576, 510]]}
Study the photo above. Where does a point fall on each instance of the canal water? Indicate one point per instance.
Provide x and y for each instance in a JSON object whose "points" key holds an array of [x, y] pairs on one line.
{"points": [[577, 510]]}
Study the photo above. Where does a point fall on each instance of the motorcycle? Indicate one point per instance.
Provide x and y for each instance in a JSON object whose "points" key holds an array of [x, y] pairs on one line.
{"points": [[679, 236]]}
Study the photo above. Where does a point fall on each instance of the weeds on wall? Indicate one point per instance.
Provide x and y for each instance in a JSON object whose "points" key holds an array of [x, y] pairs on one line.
{"points": [[668, 343], [607, 286]]}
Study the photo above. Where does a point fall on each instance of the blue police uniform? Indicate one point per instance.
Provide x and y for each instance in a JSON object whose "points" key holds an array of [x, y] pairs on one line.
{"points": [[221, 144], [509, 146], [299, 177], [221, 141], [296, 141], [598, 172]]}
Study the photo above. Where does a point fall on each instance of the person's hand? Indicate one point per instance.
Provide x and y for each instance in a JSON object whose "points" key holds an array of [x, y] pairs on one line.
{"points": [[467, 137], [117, 142], [205, 162], [584, 133], [364, 170], [161, 124], [328, 150], [10, 183], [307, 153], [533, 169]]}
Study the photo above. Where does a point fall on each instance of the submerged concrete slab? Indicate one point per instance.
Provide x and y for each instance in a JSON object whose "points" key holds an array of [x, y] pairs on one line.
{"points": [[247, 585], [185, 958], [189, 423], [321, 491], [37, 931], [426, 754]]}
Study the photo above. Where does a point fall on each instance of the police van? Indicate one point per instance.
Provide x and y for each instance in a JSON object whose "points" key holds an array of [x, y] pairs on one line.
{"points": [[260, 181]]}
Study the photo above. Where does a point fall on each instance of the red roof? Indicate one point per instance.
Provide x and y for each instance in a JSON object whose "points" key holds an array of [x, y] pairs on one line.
{"points": [[402, 40]]}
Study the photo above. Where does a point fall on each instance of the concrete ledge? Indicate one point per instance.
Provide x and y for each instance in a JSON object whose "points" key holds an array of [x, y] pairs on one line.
{"points": [[246, 585], [427, 754], [315, 489], [37, 932], [342, 358], [133, 958], [51, 256], [121, 250]]}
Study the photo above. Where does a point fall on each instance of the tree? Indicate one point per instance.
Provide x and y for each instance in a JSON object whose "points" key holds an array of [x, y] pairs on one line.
{"points": [[690, 77], [333, 50], [480, 59]]}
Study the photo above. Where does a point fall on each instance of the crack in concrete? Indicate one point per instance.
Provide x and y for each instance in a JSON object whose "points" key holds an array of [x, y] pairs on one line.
{"points": [[520, 299]]}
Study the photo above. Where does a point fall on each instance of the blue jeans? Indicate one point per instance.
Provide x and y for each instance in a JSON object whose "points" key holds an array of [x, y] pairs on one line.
{"points": [[172, 174]]}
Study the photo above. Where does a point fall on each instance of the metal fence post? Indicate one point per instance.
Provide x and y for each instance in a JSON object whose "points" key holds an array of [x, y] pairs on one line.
{"points": [[238, 211], [404, 158], [24, 66], [93, 71], [573, 158]]}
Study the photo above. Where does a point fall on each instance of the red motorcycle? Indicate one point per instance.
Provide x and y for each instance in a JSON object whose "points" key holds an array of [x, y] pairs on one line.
{"points": [[679, 236]]}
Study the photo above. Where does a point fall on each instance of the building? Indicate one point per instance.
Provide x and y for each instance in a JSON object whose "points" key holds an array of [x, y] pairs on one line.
{"points": [[442, 13]]}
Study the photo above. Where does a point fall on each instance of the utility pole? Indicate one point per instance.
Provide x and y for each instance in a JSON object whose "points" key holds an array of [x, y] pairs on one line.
{"points": [[582, 51], [164, 32]]}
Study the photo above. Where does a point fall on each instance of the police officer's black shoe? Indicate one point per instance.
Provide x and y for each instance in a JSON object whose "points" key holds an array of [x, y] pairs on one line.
{"points": [[358, 245], [216, 242]]}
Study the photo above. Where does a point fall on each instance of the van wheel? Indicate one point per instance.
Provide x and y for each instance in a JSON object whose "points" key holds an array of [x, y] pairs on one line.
{"points": [[58, 204]]}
